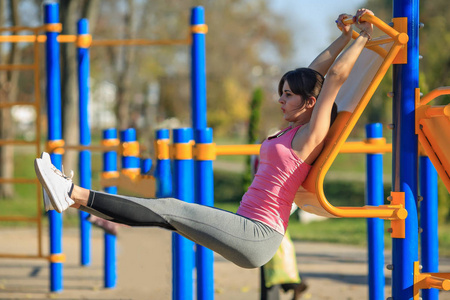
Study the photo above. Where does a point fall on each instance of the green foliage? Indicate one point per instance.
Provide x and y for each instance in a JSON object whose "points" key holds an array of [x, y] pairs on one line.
{"points": [[253, 129]]}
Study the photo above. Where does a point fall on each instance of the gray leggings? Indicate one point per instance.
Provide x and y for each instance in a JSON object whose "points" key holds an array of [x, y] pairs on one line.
{"points": [[245, 242]]}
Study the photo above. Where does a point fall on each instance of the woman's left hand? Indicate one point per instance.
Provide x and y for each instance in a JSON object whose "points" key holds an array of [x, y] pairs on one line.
{"points": [[363, 26], [346, 29]]}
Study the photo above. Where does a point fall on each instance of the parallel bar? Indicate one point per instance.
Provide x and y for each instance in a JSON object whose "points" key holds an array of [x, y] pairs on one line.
{"points": [[163, 170], [204, 188], [110, 241], [85, 140], [198, 70], [51, 16], [429, 242], [375, 227], [183, 256], [406, 80]]}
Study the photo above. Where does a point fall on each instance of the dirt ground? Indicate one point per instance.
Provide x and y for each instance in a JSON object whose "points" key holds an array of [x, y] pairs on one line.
{"points": [[144, 269]]}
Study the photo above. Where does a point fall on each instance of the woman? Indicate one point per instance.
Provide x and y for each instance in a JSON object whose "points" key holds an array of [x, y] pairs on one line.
{"points": [[250, 237]]}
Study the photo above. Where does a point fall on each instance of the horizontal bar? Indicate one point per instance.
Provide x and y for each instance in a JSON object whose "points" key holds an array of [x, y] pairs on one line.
{"points": [[364, 147], [18, 143], [73, 38], [437, 283], [19, 219], [92, 148], [24, 256], [11, 104], [348, 147], [140, 42], [252, 149], [438, 111], [19, 180], [17, 67]]}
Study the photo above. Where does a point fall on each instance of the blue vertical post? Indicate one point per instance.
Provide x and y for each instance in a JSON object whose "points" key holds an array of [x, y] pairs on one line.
{"points": [[429, 223], [375, 226], [85, 139], [182, 248], [198, 68], [204, 188], [163, 172], [203, 135], [406, 80], [51, 17], [110, 242]]}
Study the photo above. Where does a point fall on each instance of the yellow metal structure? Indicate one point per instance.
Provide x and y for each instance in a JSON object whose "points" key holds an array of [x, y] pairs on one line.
{"points": [[8, 103], [422, 281], [433, 131], [311, 196]]}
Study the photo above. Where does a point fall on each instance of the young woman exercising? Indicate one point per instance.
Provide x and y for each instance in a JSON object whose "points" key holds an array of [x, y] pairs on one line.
{"points": [[250, 237]]}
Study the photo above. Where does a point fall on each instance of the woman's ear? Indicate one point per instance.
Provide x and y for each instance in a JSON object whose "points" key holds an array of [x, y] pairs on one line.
{"points": [[311, 102]]}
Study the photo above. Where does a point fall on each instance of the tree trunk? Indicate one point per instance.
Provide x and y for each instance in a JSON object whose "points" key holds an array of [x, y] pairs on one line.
{"points": [[69, 91], [124, 78]]}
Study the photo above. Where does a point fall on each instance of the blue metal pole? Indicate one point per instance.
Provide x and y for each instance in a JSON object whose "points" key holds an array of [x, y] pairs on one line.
{"points": [[110, 241], [182, 248], [429, 223], [375, 197], [85, 140], [51, 16], [163, 172], [204, 187], [406, 80], [198, 72]]}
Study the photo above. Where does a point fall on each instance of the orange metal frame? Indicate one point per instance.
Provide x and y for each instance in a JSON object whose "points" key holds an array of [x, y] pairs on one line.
{"points": [[36, 104], [338, 136]]}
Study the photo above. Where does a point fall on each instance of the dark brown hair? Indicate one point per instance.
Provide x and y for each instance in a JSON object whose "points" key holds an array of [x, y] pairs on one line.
{"points": [[307, 83]]}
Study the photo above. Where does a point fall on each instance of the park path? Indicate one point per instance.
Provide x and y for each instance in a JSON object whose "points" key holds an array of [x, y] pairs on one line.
{"points": [[144, 269]]}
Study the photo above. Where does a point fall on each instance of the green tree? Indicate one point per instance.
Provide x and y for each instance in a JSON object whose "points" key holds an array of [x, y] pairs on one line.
{"points": [[253, 129]]}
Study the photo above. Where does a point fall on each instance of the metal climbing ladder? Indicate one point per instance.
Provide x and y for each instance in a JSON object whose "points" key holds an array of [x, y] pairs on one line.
{"points": [[36, 104]]}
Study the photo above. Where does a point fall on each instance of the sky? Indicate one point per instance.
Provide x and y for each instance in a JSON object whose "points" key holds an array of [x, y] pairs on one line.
{"points": [[312, 24]]}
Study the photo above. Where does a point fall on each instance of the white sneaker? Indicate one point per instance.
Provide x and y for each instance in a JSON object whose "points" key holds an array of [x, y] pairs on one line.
{"points": [[47, 204], [56, 183]]}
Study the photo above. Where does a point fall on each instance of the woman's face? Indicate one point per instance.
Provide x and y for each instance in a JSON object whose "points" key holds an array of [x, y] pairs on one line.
{"points": [[292, 105]]}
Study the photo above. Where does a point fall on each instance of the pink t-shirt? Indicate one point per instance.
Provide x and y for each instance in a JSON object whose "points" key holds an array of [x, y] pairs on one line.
{"points": [[280, 174]]}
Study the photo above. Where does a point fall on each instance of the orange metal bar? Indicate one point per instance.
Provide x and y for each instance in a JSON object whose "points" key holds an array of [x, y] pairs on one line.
{"points": [[384, 212], [19, 219], [438, 111], [17, 142], [23, 256], [238, 149], [19, 180], [63, 38], [16, 67], [444, 90], [140, 42], [10, 104], [365, 147]]}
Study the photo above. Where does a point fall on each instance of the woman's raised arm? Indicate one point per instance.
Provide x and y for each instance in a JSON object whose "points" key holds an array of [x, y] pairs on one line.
{"points": [[327, 57]]}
